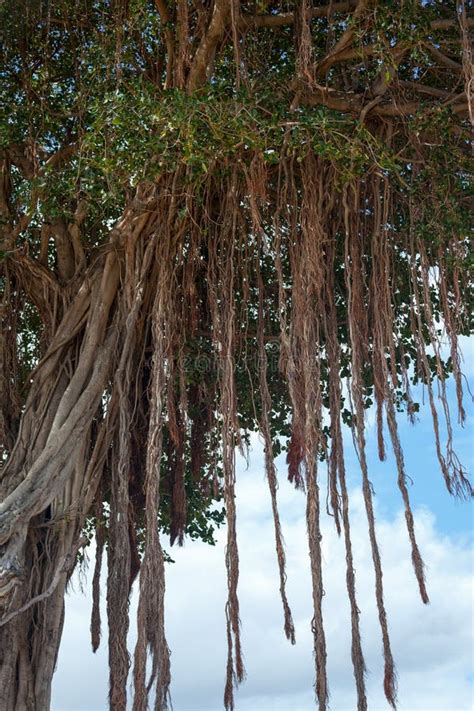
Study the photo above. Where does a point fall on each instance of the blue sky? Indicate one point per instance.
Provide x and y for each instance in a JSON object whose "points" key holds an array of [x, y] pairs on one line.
{"points": [[433, 645], [428, 487]]}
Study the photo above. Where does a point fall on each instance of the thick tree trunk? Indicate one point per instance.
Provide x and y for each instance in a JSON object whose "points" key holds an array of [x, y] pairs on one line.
{"points": [[29, 648], [49, 483], [32, 625], [48, 486]]}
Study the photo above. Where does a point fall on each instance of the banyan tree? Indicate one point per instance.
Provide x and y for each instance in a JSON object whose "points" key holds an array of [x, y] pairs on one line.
{"points": [[218, 217]]}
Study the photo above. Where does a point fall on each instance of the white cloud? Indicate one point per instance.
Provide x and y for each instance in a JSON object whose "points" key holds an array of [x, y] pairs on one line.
{"points": [[466, 344], [432, 645]]}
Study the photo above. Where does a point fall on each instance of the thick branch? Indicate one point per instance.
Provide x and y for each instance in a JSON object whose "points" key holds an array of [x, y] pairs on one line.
{"points": [[428, 90], [389, 70], [442, 58], [165, 17], [18, 156], [50, 471], [288, 18], [446, 24], [37, 281], [207, 47], [354, 103], [57, 159], [345, 40], [64, 249]]}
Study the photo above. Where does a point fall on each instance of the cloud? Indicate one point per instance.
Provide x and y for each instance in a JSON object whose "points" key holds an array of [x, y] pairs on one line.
{"points": [[432, 644], [466, 344]]}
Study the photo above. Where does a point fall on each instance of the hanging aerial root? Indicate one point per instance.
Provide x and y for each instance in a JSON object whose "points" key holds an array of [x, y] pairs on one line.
{"points": [[385, 373], [390, 680], [357, 656], [269, 458], [177, 422], [119, 543], [95, 626], [10, 400], [223, 253], [150, 615], [467, 63], [449, 317], [295, 458], [417, 560], [317, 625], [453, 473], [354, 278], [336, 460], [460, 483]]}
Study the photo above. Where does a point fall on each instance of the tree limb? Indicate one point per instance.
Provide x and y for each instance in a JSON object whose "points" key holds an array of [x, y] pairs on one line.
{"points": [[442, 58], [37, 281], [344, 41], [424, 89], [57, 159], [208, 44], [165, 17], [389, 70], [288, 18], [354, 103], [446, 24]]}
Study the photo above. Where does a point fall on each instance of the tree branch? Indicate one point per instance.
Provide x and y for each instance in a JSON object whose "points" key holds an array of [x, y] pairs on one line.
{"points": [[56, 160], [165, 17], [344, 41], [354, 103], [446, 24], [208, 44], [288, 18], [37, 281], [442, 58], [17, 154], [428, 90]]}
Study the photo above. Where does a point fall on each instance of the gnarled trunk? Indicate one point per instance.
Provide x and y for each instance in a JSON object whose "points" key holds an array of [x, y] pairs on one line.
{"points": [[48, 487], [29, 646]]}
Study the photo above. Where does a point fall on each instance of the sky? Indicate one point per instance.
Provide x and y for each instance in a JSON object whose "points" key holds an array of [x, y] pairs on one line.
{"points": [[432, 645]]}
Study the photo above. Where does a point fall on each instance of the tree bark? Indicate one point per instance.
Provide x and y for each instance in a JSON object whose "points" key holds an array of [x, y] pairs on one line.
{"points": [[47, 489]]}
